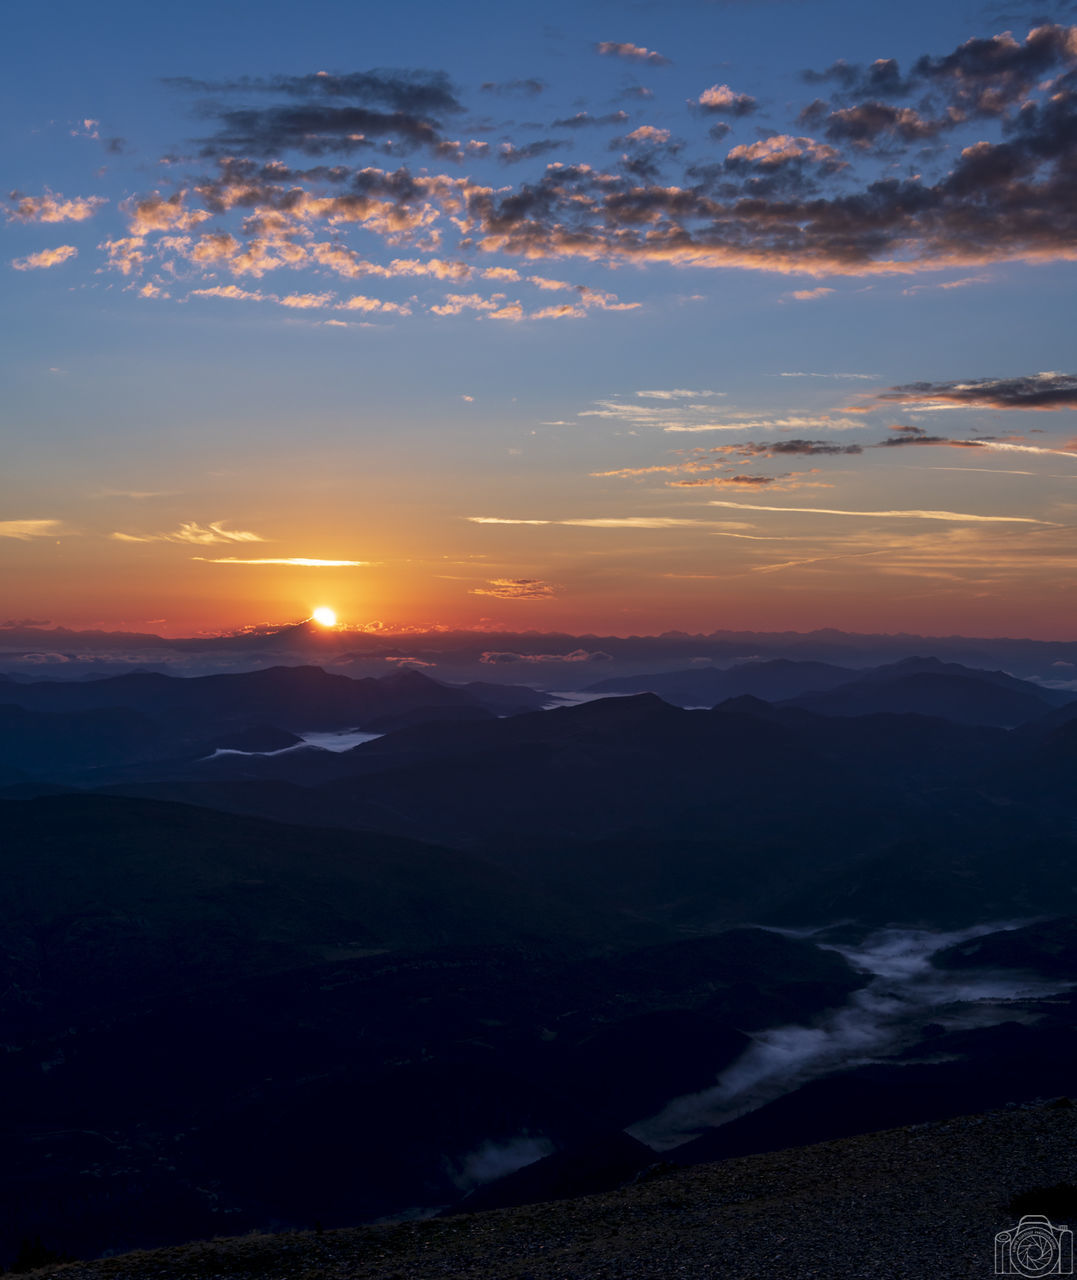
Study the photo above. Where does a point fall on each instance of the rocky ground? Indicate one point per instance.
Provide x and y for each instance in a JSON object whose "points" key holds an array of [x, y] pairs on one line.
{"points": [[909, 1204]]}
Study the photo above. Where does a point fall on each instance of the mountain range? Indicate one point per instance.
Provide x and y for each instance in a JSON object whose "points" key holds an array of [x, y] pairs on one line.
{"points": [[508, 948]]}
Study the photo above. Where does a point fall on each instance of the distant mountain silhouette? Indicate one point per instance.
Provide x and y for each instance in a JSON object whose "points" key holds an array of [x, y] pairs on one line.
{"points": [[772, 681], [191, 710], [666, 813], [53, 743], [936, 666], [931, 688]]}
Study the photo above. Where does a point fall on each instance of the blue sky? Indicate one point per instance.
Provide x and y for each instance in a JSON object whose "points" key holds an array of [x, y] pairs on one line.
{"points": [[601, 316]]}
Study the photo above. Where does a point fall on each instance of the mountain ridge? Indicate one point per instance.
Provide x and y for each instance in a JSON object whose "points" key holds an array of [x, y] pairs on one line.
{"points": [[899, 1202]]}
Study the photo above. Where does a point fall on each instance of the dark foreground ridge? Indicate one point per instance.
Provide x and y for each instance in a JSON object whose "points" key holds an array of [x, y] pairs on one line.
{"points": [[909, 1204]]}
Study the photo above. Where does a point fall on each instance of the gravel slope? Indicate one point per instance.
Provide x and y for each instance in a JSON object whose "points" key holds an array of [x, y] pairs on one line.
{"points": [[920, 1202]]}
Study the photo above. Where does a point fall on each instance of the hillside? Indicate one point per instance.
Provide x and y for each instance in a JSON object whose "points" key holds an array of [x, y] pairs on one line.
{"points": [[913, 1204]]}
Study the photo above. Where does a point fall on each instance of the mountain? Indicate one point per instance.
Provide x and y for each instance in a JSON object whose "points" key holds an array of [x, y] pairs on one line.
{"points": [[1010, 863], [921, 685], [771, 681], [55, 743], [83, 732], [454, 964], [920, 665], [928, 688], [616, 766], [296, 698], [1045, 947]]}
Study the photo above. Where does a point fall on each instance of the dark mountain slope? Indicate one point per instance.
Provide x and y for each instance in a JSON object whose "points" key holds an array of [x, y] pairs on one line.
{"points": [[56, 743], [111, 900], [914, 1203], [1007, 863], [369, 1085]]}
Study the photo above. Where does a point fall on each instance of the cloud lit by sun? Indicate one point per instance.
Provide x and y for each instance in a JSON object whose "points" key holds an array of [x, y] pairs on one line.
{"points": [[324, 616]]}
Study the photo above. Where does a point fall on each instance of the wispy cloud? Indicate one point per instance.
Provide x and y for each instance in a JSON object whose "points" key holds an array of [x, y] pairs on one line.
{"points": [[515, 589], [303, 301], [944, 285], [192, 532], [301, 562], [214, 532], [136, 495], [954, 516], [785, 482], [865, 377], [25, 529], [495, 657], [584, 119], [1005, 471], [678, 393], [614, 522], [800, 423]]}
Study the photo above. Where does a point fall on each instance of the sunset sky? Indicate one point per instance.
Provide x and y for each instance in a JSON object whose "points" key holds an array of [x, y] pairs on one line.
{"points": [[607, 317]]}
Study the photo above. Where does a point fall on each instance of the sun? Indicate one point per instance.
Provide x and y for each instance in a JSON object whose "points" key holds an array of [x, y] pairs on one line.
{"points": [[324, 616]]}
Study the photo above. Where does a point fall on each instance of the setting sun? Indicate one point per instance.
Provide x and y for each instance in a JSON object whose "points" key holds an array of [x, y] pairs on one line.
{"points": [[324, 616]]}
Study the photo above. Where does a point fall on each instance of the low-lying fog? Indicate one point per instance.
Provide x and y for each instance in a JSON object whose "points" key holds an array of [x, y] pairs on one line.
{"points": [[336, 740], [887, 1015]]}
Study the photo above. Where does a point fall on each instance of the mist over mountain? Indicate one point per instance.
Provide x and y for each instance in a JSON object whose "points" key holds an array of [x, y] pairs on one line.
{"points": [[545, 660]]}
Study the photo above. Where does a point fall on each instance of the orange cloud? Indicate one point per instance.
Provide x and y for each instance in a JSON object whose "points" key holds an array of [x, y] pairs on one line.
{"points": [[161, 213], [515, 589], [306, 301], [782, 148], [228, 291], [46, 258], [361, 303], [54, 208], [721, 98], [649, 134], [455, 303]]}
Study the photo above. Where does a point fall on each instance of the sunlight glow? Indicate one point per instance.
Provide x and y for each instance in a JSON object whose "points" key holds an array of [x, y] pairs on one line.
{"points": [[324, 616]]}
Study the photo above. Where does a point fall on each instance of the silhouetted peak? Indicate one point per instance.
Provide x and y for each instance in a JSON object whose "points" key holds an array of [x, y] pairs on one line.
{"points": [[626, 708], [408, 678], [905, 665], [289, 677], [745, 704]]}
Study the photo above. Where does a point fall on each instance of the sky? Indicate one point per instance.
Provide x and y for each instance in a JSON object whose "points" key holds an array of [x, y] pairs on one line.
{"points": [[602, 317]]}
